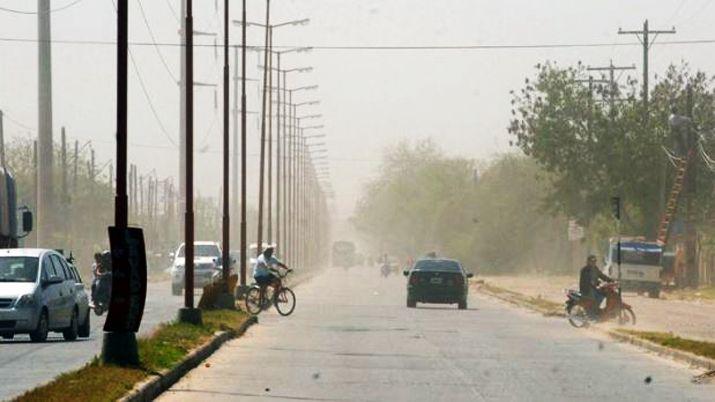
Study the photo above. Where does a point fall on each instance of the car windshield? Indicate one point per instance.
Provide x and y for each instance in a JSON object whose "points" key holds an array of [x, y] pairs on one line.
{"points": [[18, 269], [636, 255], [438, 265], [203, 250]]}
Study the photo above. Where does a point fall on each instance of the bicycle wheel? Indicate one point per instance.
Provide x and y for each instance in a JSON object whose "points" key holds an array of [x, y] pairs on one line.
{"points": [[253, 301], [285, 302]]}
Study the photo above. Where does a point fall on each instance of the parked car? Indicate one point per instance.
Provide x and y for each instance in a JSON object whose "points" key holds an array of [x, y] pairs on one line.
{"points": [[41, 292], [433, 280], [207, 260]]}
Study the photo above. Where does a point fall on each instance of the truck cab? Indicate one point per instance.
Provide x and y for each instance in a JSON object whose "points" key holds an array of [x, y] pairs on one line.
{"points": [[641, 266]]}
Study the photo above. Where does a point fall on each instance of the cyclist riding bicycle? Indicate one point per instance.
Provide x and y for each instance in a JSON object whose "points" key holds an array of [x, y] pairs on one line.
{"points": [[265, 273]]}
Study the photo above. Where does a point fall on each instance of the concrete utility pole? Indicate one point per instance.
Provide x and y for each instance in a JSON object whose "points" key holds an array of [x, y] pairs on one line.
{"points": [[65, 196], [45, 164], [243, 151], [2, 142], [643, 36], [269, 66], [259, 237], [226, 299], [234, 160]]}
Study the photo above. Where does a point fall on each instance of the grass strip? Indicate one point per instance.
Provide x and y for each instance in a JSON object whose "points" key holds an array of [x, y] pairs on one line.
{"points": [[165, 348], [538, 303], [700, 348]]}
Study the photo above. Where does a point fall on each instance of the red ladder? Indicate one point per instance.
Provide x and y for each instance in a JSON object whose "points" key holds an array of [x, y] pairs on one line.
{"points": [[671, 208]]}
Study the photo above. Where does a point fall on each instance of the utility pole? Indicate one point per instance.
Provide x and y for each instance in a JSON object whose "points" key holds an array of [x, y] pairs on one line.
{"points": [[75, 167], [189, 313], [269, 65], [259, 238], [2, 142], [65, 198], [234, 160], [45, 164], [613, 88], [226, 299], [278, 149], [243, 287], [643, 36], [691, 235]]}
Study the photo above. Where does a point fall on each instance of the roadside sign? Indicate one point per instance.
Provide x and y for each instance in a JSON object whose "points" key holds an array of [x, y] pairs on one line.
{"points": [[126, 305], [575, 231]]}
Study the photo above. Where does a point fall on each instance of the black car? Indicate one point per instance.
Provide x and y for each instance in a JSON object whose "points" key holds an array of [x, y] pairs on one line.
{"points": [[433, 280]]}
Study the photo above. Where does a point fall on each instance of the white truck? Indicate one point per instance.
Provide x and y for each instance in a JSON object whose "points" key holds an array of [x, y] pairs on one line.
{"points": [[640, 268]]}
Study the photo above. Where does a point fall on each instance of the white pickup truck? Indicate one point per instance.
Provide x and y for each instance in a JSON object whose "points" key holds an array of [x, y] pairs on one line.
{"points": [[640, 265]]}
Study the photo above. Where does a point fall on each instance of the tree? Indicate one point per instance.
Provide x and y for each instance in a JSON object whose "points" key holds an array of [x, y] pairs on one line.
{"points": [[596, 149]]}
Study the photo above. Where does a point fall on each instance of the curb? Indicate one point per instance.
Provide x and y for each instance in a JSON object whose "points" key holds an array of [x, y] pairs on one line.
{"points": [[682, 356], [156, 384], [679, 355]]}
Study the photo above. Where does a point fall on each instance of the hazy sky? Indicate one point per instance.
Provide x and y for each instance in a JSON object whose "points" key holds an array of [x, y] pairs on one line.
{"points": [[370, 98]]}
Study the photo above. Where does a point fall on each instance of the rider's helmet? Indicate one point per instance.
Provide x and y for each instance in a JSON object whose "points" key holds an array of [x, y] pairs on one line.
{"points": [[268, 252], [106, 261]]}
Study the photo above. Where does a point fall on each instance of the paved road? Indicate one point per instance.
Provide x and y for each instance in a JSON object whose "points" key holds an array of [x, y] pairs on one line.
{"points": [[25, 365], [352, 338]]}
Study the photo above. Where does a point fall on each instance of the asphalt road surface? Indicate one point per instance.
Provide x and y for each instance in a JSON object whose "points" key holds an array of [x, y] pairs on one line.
{"points": [[352, 338], [25, 365]]}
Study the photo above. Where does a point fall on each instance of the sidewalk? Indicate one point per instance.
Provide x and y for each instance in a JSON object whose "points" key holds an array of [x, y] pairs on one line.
{"points": [[691, 319]]}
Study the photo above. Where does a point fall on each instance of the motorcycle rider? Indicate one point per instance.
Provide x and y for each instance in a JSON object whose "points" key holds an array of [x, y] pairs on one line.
{"points": [[102, 283], [588, 285]]}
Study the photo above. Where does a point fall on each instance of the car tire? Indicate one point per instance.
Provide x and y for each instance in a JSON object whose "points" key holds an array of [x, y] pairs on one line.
{"points": [[462, 305], [70, 333], [43, 328], [411, 303], [8, 336], [84, 329], [176, 290]]}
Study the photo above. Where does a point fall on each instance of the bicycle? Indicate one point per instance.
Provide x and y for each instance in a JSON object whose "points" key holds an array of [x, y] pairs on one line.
{"points": [[283, 299]]}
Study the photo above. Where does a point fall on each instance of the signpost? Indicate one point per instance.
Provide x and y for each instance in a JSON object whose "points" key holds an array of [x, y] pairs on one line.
{"points": [[616, 210]]}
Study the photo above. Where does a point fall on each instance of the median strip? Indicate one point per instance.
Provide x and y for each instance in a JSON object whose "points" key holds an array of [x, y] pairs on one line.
{"points": [[171, 351]]}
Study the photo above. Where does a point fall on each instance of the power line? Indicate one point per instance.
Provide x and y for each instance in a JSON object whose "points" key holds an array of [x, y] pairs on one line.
{"points": [[153, 40], [148, 98], [376, 47], [23, 12]]}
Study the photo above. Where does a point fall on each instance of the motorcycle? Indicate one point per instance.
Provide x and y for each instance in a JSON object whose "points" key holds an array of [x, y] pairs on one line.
{"points": [[385, 269], [102, 285], [101, 293], [578, 308]]}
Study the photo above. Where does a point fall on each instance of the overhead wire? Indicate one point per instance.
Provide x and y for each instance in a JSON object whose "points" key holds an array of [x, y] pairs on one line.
{"points": [[153, 40], [535, 46], [23, 12]]}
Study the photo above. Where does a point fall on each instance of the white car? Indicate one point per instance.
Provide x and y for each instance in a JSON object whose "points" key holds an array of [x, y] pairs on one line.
{"points": [[207, 261], [41, 292]]}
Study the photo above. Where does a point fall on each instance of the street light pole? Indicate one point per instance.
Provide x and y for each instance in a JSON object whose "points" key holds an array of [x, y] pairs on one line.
{"points": [[259, 237], [189, 313], [243, 152], [226, 300]]}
